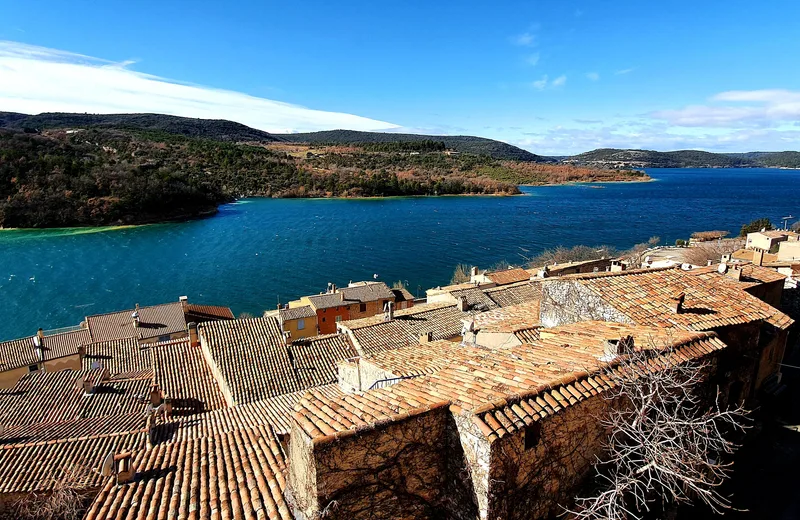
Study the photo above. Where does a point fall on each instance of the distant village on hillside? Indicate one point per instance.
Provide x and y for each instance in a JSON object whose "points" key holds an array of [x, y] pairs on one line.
{"points": [[481, 400]]}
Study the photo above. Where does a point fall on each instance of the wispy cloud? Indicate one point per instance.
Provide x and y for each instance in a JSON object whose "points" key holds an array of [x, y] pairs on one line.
{"points": [[533, 59], [739, 109], [526, 39], [545, 82], [623, 71], [594, 76], [540, 84], [39, 79]]}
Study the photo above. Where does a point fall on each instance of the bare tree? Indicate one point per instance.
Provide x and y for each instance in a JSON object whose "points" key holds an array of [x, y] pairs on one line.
{"points": [[461, 274], [668, 439], [67, 499], [702, 253], [636, 255]]}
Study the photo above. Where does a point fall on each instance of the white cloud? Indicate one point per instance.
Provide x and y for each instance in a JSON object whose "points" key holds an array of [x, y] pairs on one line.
{"points": [[533, 59], [540, 84], [739, 109], [559, 81], [38, 79], [526, 39], [594, 76], [623, 71]]}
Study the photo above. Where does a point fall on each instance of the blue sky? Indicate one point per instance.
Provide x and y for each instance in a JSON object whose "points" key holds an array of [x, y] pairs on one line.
{"points": [[552, 77]]}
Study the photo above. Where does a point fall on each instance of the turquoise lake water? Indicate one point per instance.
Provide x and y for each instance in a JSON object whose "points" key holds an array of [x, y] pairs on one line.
{"points": [[257, 252]]}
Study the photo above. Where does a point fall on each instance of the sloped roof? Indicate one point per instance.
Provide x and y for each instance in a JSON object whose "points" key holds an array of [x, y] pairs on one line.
{"points": [[374, 335], [482, 379], [200, 313], [255, 363], [182, 374], [122, 357], [507, 276], [509, 319], [21, 352], [645, 296], [156, 320], [240, 474], [515, 294], [476, 298], [296, 313], [361, 292]]}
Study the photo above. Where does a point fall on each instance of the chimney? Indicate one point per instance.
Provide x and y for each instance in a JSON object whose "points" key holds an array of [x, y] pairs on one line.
{"points": [[81, 351], [88, 387], [287, 337], [612, 348], [184, 302], [426, 337], [194, 339], [758, 257], [38, 345], [544, 272], [135, 316], [462, 304], [616, 266], [473, 271], [156, 397], [677, 302], [709, 263], [125, 469], [725, 259], [388, 311], [735, 272]]}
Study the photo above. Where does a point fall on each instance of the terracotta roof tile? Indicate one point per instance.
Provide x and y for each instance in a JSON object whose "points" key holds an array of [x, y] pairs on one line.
{"points": [[123, 358], [515, 294], [201, 313], [295, 313], [239, 474], [184, 377], [508, 276], [256, 364], [155, 321]]}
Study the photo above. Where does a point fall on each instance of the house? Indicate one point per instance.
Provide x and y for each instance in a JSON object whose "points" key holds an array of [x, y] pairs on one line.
{"points": [[42, 352], [459, 436], [767, 241], [403, 299], [299, 322], [146, 324], [789, 250], [582, 266], [357, 300], [755, 332]]}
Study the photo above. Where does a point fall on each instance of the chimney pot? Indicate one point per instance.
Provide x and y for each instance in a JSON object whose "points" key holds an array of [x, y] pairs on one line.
{"points": [[426, 337], [462, 304], [677, 302], [388, 311], [613, 348], [194, 339]]}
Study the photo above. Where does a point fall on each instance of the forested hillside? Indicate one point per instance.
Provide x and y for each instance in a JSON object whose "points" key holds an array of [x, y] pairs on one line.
{"points": [[615, 158]]}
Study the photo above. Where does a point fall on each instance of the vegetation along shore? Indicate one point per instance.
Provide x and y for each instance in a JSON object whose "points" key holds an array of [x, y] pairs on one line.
{"points": [[63, 170]]}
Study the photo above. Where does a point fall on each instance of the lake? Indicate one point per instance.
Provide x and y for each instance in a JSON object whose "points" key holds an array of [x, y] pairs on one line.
{"points": [[258, 252]]}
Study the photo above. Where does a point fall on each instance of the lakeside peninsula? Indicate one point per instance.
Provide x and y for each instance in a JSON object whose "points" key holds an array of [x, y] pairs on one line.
{"points": [[80, 170]]}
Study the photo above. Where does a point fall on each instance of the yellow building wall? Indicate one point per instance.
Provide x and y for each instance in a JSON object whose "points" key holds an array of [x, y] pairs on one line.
{"points": [[309, 330]]}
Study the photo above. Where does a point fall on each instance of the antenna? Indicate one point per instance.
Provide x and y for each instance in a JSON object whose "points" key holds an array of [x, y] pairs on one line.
{"points": [[107, 469], [786, 220]]}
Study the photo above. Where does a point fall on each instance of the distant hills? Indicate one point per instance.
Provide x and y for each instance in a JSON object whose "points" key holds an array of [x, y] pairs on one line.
{"points": [[458, 143], [222, 130], [618, 158]]}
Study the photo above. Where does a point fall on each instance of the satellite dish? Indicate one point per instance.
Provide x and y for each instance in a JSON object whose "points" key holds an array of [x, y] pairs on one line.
{"points": [[723, 268], [107, 469]]}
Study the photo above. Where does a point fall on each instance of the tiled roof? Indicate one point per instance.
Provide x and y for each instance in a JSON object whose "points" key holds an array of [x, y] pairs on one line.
{"points": [[483, 380], [528, 335], [296, 313], [182, 374], [50, 397], [256, 364], [515, 294], [646, 298], [777, 233], [156, 320], [40, 466], [507, 276], [21, 352], [72, 430], [359, 293], [375, 335], [421, 358], [240, 474], [275, 411], [402, 295], [200, 313], [752, 275], [123, 358], [509, 319], [476, 298]]}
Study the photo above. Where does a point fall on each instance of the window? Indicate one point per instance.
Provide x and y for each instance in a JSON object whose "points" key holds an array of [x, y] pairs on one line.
{"points": [[338, 319], [33, 368], [323, 319], [532, 435], [362, 307], [301, 324]]}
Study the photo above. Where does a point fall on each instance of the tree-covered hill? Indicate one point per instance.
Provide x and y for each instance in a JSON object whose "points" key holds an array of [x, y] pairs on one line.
{"points": [[459, 143], [617, 158], [216, 129]]}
